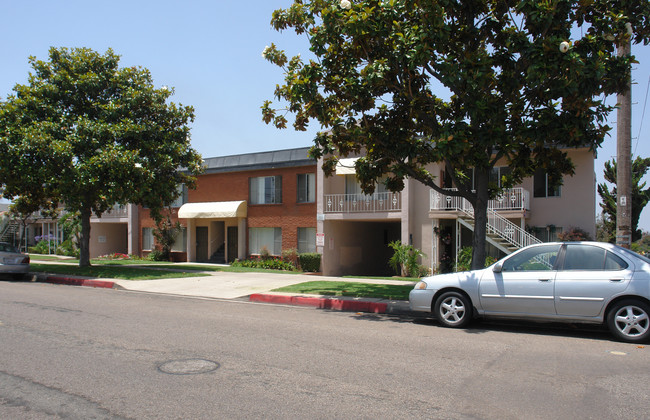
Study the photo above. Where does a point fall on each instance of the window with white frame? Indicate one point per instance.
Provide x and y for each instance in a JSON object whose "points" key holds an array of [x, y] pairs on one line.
{"points": [[182, 197], [269, 238], [306, 240], [542, 187], [180, 241], [306, 188], [265, 190], [147, 239]]}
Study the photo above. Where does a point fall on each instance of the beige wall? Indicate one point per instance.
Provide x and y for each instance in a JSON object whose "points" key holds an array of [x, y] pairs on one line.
{"points": [[576, 205], [108, 238], [358, 247]]}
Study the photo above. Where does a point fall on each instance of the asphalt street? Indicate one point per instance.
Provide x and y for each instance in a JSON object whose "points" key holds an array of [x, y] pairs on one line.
{"points": [[81, 352]]}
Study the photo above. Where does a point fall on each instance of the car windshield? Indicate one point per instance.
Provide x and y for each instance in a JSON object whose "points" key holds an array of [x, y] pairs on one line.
{"points": [[7, 248]]}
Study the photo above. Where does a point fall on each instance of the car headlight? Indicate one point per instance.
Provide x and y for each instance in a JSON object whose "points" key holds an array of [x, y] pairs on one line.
{"points": [[421, 285]]}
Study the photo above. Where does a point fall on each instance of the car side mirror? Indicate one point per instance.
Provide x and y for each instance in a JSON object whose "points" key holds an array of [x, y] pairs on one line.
{"points": [[498, 267]]}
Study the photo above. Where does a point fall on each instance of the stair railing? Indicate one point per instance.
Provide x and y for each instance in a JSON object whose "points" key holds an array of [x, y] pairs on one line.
{"points": [[496, 224]]}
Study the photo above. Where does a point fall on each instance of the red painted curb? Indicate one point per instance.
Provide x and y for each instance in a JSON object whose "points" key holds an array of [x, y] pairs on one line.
{"points": [[79, 282], [322, 303]]}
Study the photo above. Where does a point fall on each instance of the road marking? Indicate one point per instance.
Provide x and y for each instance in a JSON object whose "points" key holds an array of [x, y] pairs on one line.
{"points": [[618, 353]]}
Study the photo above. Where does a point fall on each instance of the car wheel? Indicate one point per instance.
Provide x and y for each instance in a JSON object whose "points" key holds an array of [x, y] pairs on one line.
{"points": [[453, 310], [629, 320]]}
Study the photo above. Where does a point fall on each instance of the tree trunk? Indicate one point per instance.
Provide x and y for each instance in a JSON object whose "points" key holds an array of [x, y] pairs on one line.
{"points": [[84, 244], [480, 220]]}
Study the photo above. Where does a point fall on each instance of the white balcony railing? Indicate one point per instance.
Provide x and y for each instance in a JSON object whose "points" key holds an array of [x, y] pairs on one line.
{"points": [[117, 212], [510, 199], [361, 203]]}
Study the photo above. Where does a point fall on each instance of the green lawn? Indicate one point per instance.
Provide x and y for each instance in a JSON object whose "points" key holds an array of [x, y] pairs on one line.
{"points": [[113, 271], [135, 269], [352, 289]]}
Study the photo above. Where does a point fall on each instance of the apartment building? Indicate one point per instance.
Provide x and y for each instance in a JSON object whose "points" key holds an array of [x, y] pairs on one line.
{"points": [[354, 229], [281, 200]]}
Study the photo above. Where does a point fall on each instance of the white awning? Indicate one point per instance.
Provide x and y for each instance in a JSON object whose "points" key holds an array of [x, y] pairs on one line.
{"points": [[346, 166], [214, 210]]}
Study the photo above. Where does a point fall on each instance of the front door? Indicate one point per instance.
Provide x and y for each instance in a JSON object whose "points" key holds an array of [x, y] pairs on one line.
{"points": [[232, 243], [201, 243]]}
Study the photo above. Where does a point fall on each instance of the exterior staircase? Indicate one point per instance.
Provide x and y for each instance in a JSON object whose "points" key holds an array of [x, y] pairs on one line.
{"points": [[9, 228], [219, 256], [500, 232]]}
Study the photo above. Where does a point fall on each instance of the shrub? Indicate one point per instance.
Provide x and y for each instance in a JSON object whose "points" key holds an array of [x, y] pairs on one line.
{"points": [[310, 262], [269, 263], [573, 234], [405, 260], [157, 255], [68, 249], [43, 247], [291, 256], [465, 260]]}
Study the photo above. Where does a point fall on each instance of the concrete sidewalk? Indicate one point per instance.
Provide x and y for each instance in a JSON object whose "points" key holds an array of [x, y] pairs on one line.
{"points": [[256, 287]]}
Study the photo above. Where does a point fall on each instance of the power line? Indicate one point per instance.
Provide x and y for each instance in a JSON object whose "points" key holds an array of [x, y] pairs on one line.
{"points": [[647, 89]]}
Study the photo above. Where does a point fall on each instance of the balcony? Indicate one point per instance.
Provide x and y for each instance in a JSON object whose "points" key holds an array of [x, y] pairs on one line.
{"points": [[361, 203], [513, 199], [117, 212]]}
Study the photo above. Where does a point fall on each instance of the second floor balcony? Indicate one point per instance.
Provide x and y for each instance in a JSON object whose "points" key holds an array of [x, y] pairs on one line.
{"points": [[512, 199], [362, 203]]}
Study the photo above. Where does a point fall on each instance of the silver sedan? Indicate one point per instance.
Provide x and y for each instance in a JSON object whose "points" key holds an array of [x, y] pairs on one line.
{"points": [[12, 261], [588, 282]]}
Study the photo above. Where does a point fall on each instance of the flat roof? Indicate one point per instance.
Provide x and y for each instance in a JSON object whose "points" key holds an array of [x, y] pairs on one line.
{"points": [[260, 160]]}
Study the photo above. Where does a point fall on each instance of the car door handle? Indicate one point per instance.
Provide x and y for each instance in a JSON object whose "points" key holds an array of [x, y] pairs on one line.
{"points": [[545, 280], [616, 279]]}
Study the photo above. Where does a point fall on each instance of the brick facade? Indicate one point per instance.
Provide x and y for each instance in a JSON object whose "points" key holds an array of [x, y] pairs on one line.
{"points": [[223, 182]]}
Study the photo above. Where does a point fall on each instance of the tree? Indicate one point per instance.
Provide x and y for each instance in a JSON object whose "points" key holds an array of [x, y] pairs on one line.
{"points": [[89, 134], [640, 197], [409, 83]]}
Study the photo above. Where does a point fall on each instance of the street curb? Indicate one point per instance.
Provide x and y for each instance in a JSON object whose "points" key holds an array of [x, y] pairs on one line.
{"points": [[69, 281], [337, 304]]}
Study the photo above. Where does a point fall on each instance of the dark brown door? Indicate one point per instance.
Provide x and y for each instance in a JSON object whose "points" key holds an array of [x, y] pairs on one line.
{"points": [[201, 243], [232, 243]]}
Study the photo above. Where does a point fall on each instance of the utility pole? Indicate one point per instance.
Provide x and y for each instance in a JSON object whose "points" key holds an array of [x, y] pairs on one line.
{"points": [[624, 156]]}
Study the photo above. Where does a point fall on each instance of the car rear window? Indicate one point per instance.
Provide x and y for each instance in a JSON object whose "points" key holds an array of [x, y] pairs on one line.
{"points": [[7, 248]]}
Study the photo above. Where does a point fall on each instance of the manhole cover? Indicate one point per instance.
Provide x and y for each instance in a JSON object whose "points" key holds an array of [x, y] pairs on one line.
{"points": [[188, 366]]}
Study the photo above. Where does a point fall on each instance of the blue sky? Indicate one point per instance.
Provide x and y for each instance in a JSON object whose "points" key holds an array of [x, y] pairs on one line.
{"points": [[210, 52]]}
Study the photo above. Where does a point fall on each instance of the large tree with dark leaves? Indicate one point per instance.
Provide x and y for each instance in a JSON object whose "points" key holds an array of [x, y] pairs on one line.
{"points": [[408, 83], [88, 134]]}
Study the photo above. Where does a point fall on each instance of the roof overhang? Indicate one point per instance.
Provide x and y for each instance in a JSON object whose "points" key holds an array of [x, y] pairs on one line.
{"points": [[346, 166], [213, 210]]}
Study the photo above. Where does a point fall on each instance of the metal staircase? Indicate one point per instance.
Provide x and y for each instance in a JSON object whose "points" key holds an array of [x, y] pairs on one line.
{"points": [[8, 229], [500, 232]]}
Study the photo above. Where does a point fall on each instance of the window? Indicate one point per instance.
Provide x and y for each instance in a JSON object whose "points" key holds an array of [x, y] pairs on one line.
{"points": [[496, 174], [147, 239], [538, 258], [547, 233], [585, 257], [269, 238], [182, 198], [306, 240], [541, 187], [266, 190], [306, 188], [180, 242], [353, 187]]}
